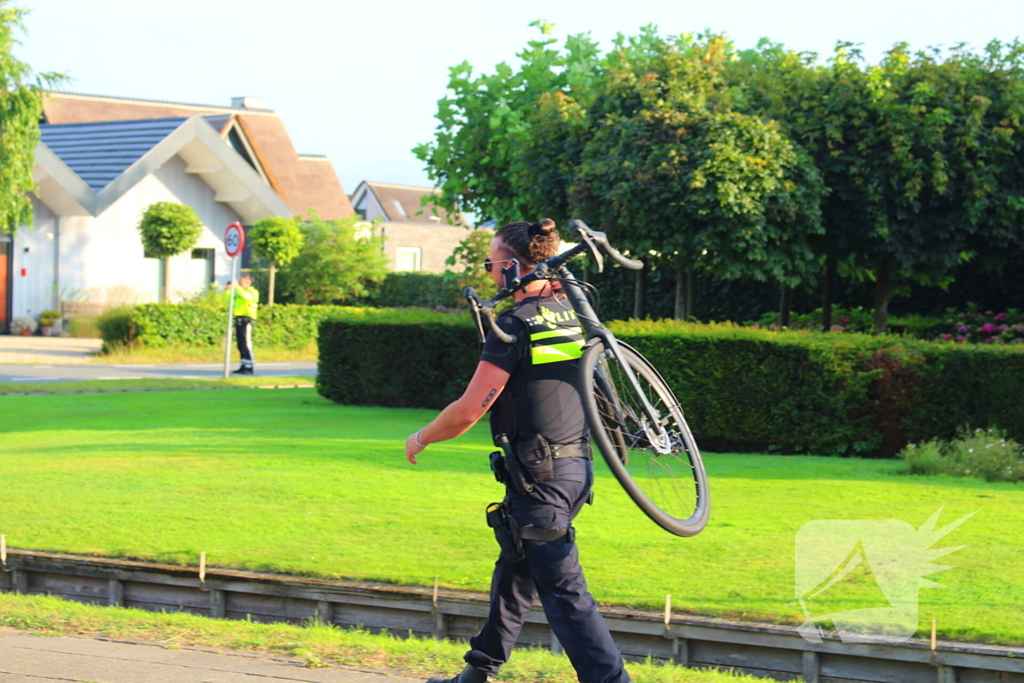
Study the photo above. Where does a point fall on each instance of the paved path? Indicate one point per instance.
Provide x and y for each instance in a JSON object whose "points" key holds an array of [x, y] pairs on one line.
{"points": [[26, 658], [43, 373], [46, 350]]}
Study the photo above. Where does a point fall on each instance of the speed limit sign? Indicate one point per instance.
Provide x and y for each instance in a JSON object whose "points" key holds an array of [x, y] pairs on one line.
{"points": [[234, 239]]}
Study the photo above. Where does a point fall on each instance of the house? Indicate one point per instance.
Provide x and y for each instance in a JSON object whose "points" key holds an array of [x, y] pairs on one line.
{"points": [[416, 236], [101, 161]]}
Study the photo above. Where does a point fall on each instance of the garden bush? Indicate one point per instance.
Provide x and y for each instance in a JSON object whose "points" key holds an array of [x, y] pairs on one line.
{"points": [[742, 389], [116, 327], [203, 324], [982, 453]]}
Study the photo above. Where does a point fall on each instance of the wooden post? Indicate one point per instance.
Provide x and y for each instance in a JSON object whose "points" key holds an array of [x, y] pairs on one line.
{"points": [[945, 674], [811, 668], [3, 551], [202, 567], [323, 611], [439, 628], [115, 593], [681, 651], [556, 645], [217, 604]]}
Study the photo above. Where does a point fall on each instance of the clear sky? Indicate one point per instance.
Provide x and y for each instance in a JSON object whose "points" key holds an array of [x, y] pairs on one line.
{"points": [[359, 81]]}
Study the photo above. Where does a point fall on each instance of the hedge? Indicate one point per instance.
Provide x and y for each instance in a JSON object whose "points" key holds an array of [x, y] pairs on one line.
{"points": [[281, 325], [742, 389]]}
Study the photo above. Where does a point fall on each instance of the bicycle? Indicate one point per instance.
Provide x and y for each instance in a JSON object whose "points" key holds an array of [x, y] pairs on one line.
{"points": [[636, 421]]}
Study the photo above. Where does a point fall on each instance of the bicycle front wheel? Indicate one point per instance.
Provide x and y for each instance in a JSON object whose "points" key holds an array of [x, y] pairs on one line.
{"points": [[658, 465]]}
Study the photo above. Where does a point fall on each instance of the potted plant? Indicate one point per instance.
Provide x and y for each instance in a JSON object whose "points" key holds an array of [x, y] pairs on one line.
{"points": [[23, 325], [46, 320]]}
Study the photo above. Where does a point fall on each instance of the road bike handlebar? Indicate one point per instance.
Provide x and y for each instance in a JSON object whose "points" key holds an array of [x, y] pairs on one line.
{"points": [[591, 241]]}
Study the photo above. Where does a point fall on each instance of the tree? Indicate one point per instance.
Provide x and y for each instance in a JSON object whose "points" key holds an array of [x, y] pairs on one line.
{"points": [[169, 229], [21, 109], [725, 192], [339, 261], [278, 239], [470, 256]]}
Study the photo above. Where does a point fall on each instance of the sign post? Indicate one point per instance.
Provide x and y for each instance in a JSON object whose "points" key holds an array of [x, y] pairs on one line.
{"points": [[234, 242]]}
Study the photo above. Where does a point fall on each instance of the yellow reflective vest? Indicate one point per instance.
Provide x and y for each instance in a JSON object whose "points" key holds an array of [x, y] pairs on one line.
{"points": [[247, 301]]}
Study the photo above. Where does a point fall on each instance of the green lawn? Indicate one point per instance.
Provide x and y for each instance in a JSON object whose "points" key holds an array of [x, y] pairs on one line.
{"points": [[286, 481]]}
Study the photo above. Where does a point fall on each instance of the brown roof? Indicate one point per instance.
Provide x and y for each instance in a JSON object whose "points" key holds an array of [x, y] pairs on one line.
{"points": [[303, 182], [409, 197]]}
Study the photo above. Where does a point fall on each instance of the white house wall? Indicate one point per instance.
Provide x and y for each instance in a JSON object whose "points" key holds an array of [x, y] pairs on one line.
{"points": [[102, 258]]}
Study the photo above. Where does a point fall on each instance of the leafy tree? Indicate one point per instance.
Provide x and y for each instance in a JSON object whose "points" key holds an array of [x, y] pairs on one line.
{"points": [[278, 239], [340, 261], [469, 257], [725, 192], [21, 108], [169, 229], [918, 154]]}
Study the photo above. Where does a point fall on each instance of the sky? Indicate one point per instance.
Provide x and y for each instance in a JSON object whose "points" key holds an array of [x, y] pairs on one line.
{"points": [[359, 82]]}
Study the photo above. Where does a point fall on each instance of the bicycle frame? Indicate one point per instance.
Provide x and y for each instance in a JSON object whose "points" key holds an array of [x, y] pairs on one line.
{"points": [[585, 313], [660, 440]]}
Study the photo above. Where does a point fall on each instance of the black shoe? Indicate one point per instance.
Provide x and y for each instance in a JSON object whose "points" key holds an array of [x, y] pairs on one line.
{"points": [[239, 371], [243, 371], [470, 674]]}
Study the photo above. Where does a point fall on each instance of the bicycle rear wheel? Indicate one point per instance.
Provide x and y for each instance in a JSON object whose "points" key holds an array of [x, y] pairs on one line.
{"points": [[665, 477]]}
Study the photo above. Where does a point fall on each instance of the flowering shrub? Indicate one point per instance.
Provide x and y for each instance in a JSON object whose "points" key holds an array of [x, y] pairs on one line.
{"points": [[983, 453], [985, 328]]}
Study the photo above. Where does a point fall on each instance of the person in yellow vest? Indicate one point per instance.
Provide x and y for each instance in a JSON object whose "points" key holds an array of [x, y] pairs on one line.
{"points": [[247, 303]]}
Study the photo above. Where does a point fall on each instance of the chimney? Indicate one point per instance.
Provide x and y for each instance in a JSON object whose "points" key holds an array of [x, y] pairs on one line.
{"points": [[248, 103]]}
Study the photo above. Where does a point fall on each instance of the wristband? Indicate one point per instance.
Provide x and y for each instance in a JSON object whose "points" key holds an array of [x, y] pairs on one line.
{"points": [[416, 438]]}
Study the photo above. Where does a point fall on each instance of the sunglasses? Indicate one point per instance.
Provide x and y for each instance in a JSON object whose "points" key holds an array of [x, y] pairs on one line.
{"points": [[489, 264]]}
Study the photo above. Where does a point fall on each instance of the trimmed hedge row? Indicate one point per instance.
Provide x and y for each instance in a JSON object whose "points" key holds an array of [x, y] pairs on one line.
{"points": [[742, 389], [281, 325]]}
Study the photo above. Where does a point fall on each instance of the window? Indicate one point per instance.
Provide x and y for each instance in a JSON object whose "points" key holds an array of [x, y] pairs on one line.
{"points": [[408, 258], [208, 256], [401, 209]]}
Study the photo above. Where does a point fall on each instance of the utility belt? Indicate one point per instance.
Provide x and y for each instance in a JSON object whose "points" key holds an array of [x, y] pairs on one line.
{"points": [[531, 461], [510, 535]]}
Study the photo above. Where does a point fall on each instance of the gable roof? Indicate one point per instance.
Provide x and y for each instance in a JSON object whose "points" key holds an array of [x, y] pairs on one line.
{"points": [[65, 190], [401, 204], [100, 152], [301, 181]]}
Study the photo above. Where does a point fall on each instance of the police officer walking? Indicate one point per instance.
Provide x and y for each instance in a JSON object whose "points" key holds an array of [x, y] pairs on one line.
{"points": [[247, 303], [533, 390]]}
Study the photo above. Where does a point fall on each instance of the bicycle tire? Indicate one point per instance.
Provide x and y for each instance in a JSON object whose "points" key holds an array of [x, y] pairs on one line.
{"points": [[672, 488]]}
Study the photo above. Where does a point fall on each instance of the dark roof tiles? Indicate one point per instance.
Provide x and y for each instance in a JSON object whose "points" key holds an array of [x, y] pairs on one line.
{"points": [[100, 152]]}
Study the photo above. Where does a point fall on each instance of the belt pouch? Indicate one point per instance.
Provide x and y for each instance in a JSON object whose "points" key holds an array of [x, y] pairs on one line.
{"points": [[536, 458]]}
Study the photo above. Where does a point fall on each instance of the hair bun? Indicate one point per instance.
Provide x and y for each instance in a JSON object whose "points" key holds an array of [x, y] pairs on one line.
{"points": [[545, 226]]}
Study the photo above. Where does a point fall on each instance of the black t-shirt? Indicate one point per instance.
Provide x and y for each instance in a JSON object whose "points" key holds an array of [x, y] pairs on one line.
{"points": [[543, 394]]}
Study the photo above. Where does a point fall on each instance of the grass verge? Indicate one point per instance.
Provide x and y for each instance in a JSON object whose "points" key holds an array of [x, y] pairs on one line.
{"points": [[317, 645], [286, 481], [201, 354], [113, 385]]}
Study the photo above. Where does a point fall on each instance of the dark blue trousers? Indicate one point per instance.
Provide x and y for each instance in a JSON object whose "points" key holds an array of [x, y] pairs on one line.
{"points": [[553, 572]]}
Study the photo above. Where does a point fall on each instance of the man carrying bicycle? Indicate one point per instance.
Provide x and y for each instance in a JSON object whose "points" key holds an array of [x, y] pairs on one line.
{"points": [[532, 387]]}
